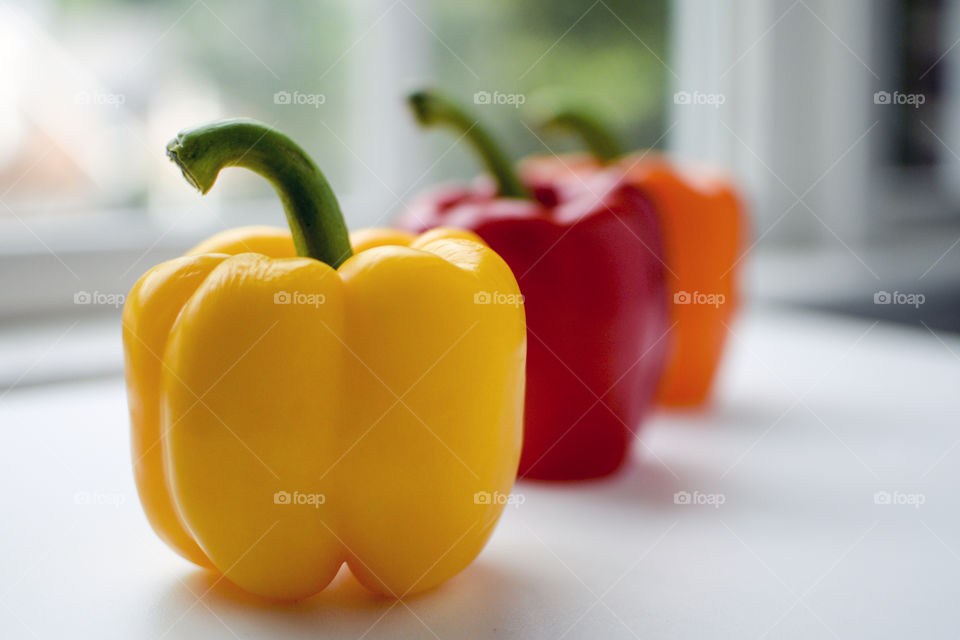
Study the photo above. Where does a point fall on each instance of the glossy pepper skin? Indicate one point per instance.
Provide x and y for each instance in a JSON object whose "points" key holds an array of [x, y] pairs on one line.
{"points": [[587, 258], [704, 228], [290, 416]]}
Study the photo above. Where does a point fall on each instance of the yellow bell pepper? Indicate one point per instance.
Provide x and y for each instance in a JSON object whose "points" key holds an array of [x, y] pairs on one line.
{"points": [[298, 404]]}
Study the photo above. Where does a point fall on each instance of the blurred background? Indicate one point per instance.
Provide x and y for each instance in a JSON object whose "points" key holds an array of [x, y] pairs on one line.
{"points": [[841, 122]]}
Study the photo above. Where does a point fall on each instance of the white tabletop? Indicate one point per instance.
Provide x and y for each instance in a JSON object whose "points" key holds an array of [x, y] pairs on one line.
{"points": [[815, 415]]}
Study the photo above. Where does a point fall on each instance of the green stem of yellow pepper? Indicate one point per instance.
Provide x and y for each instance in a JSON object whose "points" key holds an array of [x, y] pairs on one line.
{"points": [[312, 211], [601, 143], [432, 108]]}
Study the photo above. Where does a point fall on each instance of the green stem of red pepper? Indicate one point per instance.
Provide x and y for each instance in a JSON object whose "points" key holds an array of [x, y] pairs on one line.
{"points": [[432, 108], [316, 222], [600, 142]]}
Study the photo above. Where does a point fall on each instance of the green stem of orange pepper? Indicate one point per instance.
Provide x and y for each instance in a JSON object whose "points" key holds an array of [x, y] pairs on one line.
{"points": [[597, 137], [312, 210]]}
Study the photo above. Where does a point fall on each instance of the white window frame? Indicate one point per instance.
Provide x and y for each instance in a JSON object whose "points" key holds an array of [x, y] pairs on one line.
{"points": [[784, 135]]}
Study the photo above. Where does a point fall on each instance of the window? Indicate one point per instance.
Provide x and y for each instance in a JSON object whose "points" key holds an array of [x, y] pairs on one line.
{"points": [[94, 90]]}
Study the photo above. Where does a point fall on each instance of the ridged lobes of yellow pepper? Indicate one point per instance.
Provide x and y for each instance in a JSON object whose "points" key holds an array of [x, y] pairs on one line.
{"points": [[381, 389]]}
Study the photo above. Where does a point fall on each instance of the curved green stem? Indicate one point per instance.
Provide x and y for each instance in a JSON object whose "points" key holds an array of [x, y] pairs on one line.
{"points": [[314, 216], [433, 108], [601, 143]]}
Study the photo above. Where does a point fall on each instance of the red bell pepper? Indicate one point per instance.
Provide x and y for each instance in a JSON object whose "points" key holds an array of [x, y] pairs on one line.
{"points": [[588, 260], [703, 222]]}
